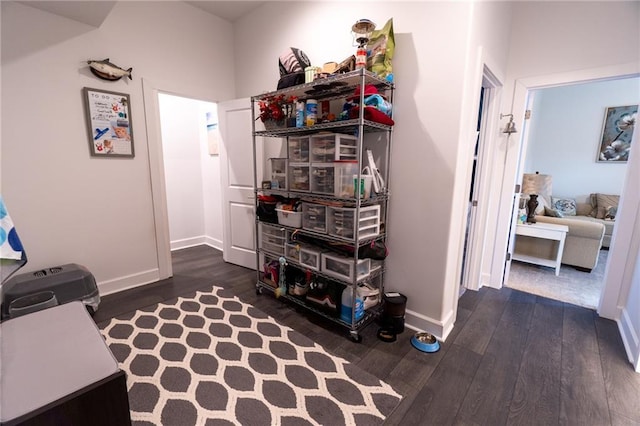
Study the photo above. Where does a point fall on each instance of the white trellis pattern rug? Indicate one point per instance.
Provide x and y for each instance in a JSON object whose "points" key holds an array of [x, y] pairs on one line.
{"points": [[210, 359]]}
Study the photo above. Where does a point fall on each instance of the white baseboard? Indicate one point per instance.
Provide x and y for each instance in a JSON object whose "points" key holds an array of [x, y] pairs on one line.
{"points": [[187, 242], [196, 241], [214, 242], [419, 322], [130, 281], [630, 339]]}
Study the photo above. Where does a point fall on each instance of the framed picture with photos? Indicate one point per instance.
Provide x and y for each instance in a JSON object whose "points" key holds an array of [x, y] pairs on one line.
{"points": [[108, 116]]}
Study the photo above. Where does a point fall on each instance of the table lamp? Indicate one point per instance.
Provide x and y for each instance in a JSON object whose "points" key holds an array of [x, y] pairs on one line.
{"points": [[535, 185]]}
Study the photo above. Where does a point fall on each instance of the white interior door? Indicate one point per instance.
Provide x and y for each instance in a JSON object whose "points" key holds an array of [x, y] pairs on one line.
{"points": [[237, 180]]}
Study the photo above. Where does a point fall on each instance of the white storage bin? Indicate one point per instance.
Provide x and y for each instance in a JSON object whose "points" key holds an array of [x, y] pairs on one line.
{"points": [[278, 173], [376, 264], [289, 218], [343, 267], [298, 148], [292, 251], [333, 146], [314, 217], [310, 257], [341, 222], [272, 239], [298, 177]]}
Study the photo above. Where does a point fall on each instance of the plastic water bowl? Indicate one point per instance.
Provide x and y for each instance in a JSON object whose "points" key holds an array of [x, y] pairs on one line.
{"points": [[425, 342]]}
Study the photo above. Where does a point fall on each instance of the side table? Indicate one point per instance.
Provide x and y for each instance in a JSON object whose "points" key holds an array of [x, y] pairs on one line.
{"points": [[543, 231]]}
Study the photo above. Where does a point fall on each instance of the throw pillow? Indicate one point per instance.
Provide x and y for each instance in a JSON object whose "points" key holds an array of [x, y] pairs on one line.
{"points": [[604, 201], [566, 206], [552, 212], [610, 212]]}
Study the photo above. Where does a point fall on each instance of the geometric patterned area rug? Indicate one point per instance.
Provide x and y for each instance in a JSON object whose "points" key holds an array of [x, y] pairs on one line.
{"points": [[210, 359]]}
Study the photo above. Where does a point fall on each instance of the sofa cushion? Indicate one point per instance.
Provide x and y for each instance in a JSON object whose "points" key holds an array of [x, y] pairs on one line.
{"points": [[583, 209], [552, 212], [603, 201], [566, 206], [579, 226]]}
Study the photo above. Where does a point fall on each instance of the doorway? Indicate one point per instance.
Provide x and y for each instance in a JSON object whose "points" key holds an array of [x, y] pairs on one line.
{"points": [[191, 171], [608, 306], [572, 139]]}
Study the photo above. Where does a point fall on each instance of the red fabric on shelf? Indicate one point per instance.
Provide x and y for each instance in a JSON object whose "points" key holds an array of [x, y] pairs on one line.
{"points": [[372, 114]]}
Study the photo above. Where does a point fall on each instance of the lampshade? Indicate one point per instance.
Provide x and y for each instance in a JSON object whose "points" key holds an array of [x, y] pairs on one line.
{"points": [[537, 184]]}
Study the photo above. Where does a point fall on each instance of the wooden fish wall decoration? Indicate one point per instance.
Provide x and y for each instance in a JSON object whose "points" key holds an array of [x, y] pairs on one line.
{"points": [[108, 71]]}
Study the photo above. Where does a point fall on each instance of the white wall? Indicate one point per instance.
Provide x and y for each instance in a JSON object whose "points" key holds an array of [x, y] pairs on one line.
{"points": [[68, 206], [190, 173], [566, 125], [431, 67], [554, 39]]}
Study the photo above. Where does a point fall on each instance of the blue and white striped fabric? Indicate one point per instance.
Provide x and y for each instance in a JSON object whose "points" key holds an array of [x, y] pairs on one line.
{"points": [[12, 254]]}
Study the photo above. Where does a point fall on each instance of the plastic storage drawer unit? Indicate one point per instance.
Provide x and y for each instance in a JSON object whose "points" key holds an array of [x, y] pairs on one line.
{"points": [[30, 292], [299, 149], [323, 178], [341, 222], [278, 173], [310, 257], [342, 267], [299, 177], [333, 146], [273, 239], [314, 217]]}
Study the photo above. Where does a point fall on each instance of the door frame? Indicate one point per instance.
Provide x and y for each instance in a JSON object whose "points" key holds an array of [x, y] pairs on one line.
{"points": [[472, 273], [611, 302]]}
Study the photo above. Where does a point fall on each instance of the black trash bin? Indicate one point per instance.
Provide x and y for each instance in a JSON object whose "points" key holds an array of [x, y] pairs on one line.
{"points": [[394, 309]]}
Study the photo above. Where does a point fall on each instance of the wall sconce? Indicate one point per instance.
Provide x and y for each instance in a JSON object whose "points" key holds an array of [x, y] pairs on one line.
{"points": [[511, 126]]}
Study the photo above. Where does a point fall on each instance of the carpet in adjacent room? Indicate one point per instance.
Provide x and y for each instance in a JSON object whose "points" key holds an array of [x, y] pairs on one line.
{"points": [[571, 286]]}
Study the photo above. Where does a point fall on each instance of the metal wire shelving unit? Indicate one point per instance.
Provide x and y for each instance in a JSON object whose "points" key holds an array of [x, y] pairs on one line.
{"points": [[331, 88]]}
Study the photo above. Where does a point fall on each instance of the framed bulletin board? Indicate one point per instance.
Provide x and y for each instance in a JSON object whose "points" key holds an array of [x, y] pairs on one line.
{"points": [[108, 117]]}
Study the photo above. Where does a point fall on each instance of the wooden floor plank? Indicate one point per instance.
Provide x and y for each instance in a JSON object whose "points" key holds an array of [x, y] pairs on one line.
{"points": [[416, 368], [508, 352], [622, 383], [536, 397], [583, 398], [485, 317], [490, 393], [440, 399]]}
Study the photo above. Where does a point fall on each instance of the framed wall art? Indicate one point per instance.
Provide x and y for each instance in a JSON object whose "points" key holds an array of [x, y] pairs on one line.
{"points": [[108, 117], [617, 131]]}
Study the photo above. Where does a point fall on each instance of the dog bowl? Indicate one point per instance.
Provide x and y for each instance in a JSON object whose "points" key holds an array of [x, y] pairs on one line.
{"points": [[425, 342]]}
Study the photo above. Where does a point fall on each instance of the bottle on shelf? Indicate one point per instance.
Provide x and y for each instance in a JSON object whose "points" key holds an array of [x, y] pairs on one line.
{"points": [[347, 304]]}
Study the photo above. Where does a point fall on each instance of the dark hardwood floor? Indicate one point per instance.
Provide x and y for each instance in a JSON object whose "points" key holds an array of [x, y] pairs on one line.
{"points": [[512, 358]]}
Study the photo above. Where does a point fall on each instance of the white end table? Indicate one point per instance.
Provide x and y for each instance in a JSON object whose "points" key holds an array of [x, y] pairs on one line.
{"points": [[547, 231]]}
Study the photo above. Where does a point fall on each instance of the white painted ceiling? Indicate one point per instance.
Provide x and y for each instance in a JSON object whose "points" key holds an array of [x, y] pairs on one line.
{"points": [[228, 10], [94, 12]]}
